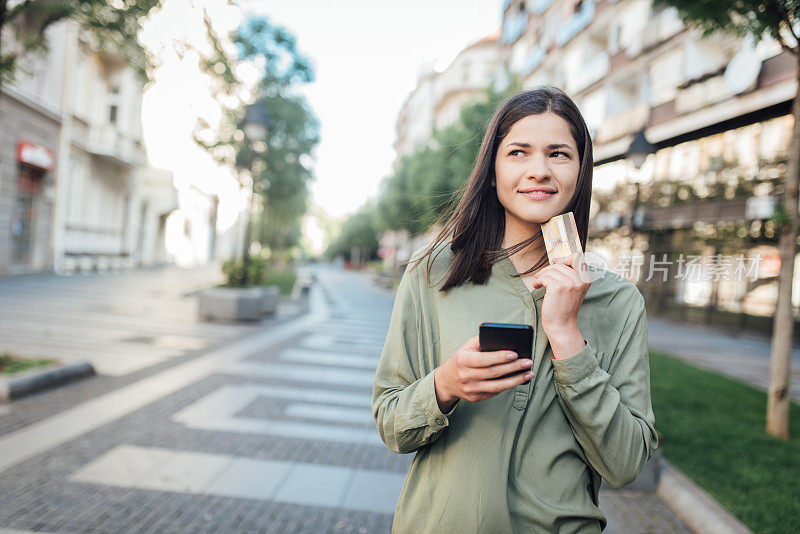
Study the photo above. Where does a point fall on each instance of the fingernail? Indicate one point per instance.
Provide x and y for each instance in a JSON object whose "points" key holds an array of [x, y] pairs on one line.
{"points": [[511, 355], [525, 363], [530, 375]]}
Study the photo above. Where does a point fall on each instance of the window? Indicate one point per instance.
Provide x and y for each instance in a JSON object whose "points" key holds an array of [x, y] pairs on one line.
{"points": [[113, 103]]}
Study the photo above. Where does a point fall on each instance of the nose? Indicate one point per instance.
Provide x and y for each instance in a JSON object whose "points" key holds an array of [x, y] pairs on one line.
{"points": [[538, 168]]}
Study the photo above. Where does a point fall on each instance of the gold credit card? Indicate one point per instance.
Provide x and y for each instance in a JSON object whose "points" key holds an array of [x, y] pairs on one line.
{"points": [[561, 237]]}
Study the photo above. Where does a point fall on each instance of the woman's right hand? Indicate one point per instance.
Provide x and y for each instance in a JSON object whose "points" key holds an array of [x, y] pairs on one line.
{"points": [[474, 376]]}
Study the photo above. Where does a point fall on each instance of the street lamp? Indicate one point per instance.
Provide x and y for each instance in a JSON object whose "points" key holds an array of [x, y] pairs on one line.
{"points": [[256, 125], [637, 153], [639, 150]]}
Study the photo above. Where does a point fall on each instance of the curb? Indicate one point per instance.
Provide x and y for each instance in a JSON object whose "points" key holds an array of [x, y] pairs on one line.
{"points": [[699, 510], [38, 380]]}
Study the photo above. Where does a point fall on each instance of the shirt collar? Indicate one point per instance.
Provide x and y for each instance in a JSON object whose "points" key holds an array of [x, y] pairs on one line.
{"points": [[508, 269]]}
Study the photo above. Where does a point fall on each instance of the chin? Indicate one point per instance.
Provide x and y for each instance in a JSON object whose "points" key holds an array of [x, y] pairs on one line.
{"points": [[539, 216]]}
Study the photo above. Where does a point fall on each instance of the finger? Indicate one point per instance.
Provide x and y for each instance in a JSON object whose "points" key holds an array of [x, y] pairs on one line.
{"points": [[473, 344], [547, 280], [577, 263], [554, 267], [499, 385], [583, 269], [496, 371], [488, 359], [570, 260], [544, 270], [569, 272]]}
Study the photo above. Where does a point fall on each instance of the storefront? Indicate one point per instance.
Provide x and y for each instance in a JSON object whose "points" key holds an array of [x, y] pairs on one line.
{"points": [[34, 164], [700, 213]]}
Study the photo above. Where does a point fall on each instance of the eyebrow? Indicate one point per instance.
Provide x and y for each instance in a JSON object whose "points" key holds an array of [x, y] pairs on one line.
{"points": [[549, 147]]}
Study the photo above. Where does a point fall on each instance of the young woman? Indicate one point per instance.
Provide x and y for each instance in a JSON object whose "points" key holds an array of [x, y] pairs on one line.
{"points": [[524, 453]]}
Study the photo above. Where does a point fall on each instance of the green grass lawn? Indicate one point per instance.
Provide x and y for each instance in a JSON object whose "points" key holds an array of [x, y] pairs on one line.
{"points": [[283, 279], [11, 364], [713, 430]]}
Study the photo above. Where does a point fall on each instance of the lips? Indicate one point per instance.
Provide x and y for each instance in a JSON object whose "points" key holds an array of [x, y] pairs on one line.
{"points": [[537, 190], [537, 193]]}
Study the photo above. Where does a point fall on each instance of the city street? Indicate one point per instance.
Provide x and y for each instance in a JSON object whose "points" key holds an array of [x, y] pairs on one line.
{"points": [[267, 429]]}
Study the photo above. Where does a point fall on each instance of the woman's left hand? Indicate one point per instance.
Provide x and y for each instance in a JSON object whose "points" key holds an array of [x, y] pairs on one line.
{"points": [[567, 282]]}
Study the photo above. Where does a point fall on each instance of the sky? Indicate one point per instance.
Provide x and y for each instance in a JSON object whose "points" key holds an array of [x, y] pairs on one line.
{"points": [[366, 56]]}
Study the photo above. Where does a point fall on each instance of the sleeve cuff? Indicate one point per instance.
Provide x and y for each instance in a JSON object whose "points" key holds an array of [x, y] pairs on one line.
{"points": [[430, 408], [577, 367]]}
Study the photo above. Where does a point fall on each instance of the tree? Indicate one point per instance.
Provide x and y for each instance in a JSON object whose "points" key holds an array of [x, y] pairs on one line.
{"points": [[777, 19], [113, 25], [357, 234], [282, 168], [426, 183]]}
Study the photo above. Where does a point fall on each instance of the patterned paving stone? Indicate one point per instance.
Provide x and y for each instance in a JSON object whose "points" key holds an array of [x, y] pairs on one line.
{"points": [[169, 465]]}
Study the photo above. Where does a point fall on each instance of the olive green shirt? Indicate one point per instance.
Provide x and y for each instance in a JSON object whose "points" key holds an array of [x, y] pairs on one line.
{"points": [[531, 458]]}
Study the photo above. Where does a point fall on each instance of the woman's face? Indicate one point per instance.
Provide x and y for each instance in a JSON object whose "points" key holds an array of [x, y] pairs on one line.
{"points": [[536, 169]]}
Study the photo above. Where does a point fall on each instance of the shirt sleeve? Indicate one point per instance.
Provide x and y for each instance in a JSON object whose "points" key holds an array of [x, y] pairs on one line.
{"points": [[403, 397], [610, 411]]}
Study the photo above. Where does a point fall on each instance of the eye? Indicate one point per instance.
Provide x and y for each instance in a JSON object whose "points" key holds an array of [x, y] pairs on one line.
{"points": [[516, 152], [560, 152]]}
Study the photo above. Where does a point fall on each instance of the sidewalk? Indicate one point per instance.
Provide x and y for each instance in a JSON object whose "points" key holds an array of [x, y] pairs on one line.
{"points": [[268, 432], [743, 358], [269, 429], [121, 323]]}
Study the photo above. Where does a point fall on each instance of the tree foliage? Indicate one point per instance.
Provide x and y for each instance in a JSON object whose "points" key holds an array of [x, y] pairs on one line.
{"points": [[281, 170], [113, 25], [358, 231], [758, 18], [426, 183], [284, 65]]}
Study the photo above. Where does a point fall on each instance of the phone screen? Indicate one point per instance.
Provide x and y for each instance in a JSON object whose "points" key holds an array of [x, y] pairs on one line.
{"points": [[507, 336]]}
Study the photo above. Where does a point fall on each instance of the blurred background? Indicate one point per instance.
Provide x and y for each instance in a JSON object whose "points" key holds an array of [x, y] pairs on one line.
{"points": [[186, 179]]}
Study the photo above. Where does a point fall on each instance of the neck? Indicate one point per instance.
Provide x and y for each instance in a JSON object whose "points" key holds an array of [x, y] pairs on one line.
{"points": [[517, 233]]}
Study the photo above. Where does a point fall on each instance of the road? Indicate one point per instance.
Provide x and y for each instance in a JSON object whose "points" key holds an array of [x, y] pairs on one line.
{"points": [[255, 428]]}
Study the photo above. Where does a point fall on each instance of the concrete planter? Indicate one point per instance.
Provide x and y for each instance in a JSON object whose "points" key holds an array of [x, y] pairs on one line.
{"points": [[231, 304], [269, 303]]}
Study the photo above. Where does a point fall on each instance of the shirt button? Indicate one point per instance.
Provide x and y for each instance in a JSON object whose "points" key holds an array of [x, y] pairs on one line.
{"points": [[440, 421]]}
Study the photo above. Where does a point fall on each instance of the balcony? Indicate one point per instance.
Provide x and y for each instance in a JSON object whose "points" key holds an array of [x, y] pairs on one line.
{"points": [[593, 70], [111, 144], [625, 122], [700, 95], [686, 215], [579, 21], [539, 6], [534, 59], [513, 26]]}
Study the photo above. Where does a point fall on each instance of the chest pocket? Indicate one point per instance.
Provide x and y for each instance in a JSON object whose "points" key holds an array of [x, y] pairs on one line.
{"points": [[522, 394]]}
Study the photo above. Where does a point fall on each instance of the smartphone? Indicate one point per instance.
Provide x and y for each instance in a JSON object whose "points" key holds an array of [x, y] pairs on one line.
{"points": [[506, 336]]}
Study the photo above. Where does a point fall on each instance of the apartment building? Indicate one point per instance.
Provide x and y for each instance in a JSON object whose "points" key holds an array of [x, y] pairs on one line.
{"points": [[76, 191], [30, 122], [716, 111], [439, 96], [100, 151]]}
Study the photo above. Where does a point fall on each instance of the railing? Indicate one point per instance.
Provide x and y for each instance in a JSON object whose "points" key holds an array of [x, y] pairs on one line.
{"points": [[625, 122], [534, 59], [702, 94], [540, 5], [579, 21], [514, 26], [590, 72], [108, 141]]}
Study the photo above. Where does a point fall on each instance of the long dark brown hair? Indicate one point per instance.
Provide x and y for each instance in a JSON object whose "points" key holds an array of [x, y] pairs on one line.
{"points": [[476, 225]]}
